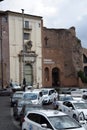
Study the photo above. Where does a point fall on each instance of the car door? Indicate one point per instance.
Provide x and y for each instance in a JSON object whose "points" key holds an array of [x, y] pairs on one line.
{"points": [[37, 122], [44, 124], [70, 110], [33, 121], [64, 107]]}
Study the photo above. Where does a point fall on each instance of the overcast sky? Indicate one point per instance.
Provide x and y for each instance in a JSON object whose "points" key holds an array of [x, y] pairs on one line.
{"points": [[55, 13]]}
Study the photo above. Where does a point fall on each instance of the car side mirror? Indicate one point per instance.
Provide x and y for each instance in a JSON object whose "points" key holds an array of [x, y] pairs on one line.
{"points": [[71, 108], [44, 125]]}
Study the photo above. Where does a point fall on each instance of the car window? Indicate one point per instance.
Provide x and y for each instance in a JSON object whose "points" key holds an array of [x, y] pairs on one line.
{"points": [[64, 122], [39, 119], [43, 120], [65, 103], [31, 96], [34, 117], [69, 104], [80, 105], [51, 91]]}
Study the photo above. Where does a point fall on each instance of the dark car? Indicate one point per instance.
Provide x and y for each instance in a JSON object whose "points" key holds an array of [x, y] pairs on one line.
{"points": [[18, 107], [5, 92], [26, 108]]}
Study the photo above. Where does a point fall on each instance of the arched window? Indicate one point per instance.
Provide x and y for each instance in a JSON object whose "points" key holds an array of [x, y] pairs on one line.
{"points": [[46, 74], [84, 59]]}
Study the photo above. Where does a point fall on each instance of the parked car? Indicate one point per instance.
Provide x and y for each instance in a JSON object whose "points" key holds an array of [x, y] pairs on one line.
{"points": [[74, 108], [49, 120], [65, 97], [18, 107], [15, 87], [28, 107], [48, 95], [34, 95], [15, 97], [5, 92]]}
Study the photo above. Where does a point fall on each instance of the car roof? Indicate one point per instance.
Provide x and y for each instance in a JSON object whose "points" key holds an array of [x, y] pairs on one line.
{"points": [[31, 91], [48, 112]]}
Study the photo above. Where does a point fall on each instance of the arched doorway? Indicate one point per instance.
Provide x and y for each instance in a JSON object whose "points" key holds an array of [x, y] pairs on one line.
{"points": [[85, 70], [29, 74], [55, 77]]}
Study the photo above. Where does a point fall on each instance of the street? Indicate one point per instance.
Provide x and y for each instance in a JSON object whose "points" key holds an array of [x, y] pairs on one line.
{"points": [[6, 118]]}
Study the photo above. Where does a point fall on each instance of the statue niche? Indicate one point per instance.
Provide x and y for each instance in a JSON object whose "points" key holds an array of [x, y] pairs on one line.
{"points": [[28, 45]]}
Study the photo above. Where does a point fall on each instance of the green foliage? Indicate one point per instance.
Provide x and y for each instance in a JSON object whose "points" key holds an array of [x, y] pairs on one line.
{"points": [[82, 76]]}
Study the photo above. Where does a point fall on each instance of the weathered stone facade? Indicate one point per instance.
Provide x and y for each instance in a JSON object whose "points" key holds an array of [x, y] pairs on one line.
{"points": [[62, 57], [4, 50]]}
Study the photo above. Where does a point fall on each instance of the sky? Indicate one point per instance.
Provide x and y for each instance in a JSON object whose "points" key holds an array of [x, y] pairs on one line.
{"points": [[56, 13]]}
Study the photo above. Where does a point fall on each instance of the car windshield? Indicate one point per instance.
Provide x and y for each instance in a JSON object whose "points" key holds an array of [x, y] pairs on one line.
{"points": [[31, 96], [80, 105], [14, 84], [21, 103], [64, 98], [63, 122], [44, 92], [18, 95]]}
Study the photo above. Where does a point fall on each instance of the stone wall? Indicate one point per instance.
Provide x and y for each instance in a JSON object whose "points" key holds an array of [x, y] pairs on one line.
{"points": [[64, 50]]}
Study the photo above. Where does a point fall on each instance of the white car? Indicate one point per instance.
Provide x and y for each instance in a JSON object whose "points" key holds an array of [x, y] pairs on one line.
{"points": [[48, 95], [49, 120], [33, 95], [65, 97], [74, 108], [15, 86]]}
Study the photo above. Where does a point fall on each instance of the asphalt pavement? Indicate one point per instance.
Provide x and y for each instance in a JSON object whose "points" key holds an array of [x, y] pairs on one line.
{"points": [[6, 119]]}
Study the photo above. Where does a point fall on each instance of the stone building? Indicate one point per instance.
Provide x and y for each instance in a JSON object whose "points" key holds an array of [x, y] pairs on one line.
{"points": [[4, 50], [85, 61], [62, 57], [44, 57], [20, 48]]}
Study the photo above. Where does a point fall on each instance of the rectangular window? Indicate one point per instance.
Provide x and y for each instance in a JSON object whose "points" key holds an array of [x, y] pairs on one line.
{"points": [[4, 19], [26, 24], [26, 36]]}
